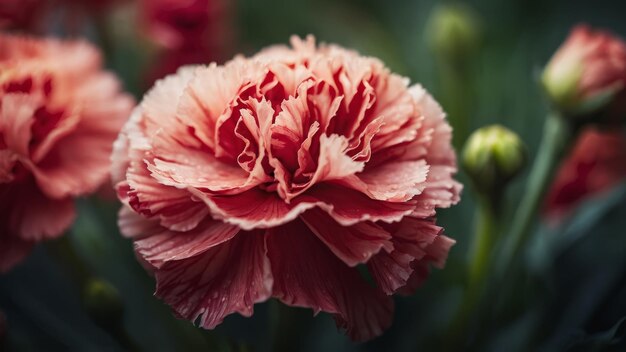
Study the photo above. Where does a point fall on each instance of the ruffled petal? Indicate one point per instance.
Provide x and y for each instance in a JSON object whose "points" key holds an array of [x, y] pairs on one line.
{"points": [[413, 240], [349, 207], [307, 274], [254, 208], [157, 244], [393, 182], [258, 208], [16, 120], [77, 163], [175, 208], [354, 244], [228, 278]]}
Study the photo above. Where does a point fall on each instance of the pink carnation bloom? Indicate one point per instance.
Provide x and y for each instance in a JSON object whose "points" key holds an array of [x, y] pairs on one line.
{"points": [[59, 116], [277, 175], [589, 64]]}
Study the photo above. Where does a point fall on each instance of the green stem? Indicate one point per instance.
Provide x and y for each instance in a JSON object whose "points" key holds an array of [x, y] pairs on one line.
{"points": [[487, 224], [557, 136], [484, 239]]}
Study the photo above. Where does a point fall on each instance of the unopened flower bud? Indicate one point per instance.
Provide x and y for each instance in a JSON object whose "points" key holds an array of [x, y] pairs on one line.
{"points": [[586, 77], [454, 32], [103, 303], [492, 156]]}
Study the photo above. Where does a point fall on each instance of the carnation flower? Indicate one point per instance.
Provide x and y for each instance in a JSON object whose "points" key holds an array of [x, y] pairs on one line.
{"points": [[277, 175], [596, 163], [59, 116], [21, 14], [179, 24], [186, 32], [588, 72]]}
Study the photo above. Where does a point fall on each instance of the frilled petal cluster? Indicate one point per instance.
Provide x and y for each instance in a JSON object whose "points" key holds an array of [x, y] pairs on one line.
{"points": [[59, 116], [277, 175]]}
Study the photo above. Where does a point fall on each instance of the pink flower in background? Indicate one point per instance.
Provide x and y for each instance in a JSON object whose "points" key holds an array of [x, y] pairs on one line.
{"points": [[186, 32], [59, 116], [589, 64], [178, 24], [277, 175], [22, 14], [596, 163]]}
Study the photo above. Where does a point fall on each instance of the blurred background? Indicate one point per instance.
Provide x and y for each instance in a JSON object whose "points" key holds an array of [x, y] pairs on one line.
{"points": [[574, 295]]}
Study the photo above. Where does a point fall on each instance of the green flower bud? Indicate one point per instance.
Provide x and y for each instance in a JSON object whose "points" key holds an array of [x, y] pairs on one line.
{"points": [[103, 303], [493, 155], [454, 32]]}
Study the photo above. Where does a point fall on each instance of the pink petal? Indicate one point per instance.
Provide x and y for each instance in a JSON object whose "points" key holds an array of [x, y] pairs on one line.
{"points": [[307, 274], [156, 244], [160, 104], [393, 181], [349, 207], [441, 191], [413, 240], [354, 244], [440, 150], [78, 163], [175, 208], [228, 278], [254, 208], [181, 165], [209, 95], [257, 208], [16, 119]]}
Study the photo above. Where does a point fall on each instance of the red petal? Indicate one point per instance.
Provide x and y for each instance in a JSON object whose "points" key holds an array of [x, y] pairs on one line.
{"points": [[257, 208], [226, 279], [16, 119], [176, 208], [413, 240], [307, 274], [27, 213], [254, 208], [349, 207], [157, 244], [354, 244]]}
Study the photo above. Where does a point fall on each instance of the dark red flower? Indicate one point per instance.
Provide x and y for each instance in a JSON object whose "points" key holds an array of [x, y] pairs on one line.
{"points": [[180, 24], [22, 14], [597, 162]]}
